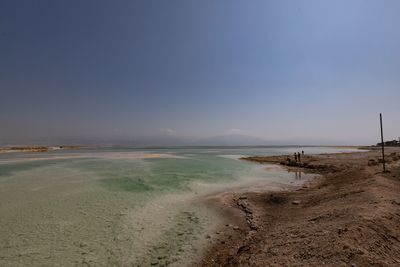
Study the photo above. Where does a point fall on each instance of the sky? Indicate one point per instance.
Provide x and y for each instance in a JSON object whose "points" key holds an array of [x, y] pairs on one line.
{"points": [[288, 72]]}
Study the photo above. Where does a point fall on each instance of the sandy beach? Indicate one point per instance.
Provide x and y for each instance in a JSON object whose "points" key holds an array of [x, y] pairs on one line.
{"points": [[348, 216]]}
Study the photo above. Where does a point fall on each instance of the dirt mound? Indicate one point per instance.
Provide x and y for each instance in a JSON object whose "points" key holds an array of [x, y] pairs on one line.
{"points": [[348, 217]]}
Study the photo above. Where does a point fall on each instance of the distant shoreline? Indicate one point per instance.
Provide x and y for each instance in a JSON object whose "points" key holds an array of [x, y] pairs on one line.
{"points": [[14, 149], [45, 148]]}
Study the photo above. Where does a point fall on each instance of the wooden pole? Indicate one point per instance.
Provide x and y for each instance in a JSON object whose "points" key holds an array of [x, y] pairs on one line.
{"points": [[383, 144]]}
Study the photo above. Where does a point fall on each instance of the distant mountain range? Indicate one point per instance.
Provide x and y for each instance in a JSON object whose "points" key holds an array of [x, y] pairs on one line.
{"points": [[154, 140], [171, 140], [163, 141], [231, 140]]}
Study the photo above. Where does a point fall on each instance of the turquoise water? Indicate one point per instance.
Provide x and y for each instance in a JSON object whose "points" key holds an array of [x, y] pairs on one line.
{"points": [[122, 207]]}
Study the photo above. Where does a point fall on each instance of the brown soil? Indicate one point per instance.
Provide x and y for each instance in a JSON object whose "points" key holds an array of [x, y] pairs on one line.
{"points": [[350, 216]]}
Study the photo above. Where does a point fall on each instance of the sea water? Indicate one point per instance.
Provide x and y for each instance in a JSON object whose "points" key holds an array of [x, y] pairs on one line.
{"points": [[124, 207]]}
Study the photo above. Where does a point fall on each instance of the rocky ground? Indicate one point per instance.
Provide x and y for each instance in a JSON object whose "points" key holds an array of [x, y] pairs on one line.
{"points": [[350, 216]]}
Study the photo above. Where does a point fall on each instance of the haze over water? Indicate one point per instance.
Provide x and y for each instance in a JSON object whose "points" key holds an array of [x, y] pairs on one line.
{"points": [[121, 206]]}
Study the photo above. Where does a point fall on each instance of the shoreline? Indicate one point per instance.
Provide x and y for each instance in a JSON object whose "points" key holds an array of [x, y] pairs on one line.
{"points": [[47, 148], [41, 149], [222, 204], [322, 222]]}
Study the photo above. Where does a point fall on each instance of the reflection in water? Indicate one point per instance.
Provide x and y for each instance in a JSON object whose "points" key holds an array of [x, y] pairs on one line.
{"points": [[297, 174]]}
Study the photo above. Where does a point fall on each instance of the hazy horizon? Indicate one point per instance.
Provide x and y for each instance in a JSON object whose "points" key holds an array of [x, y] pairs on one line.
{"points": [[232, 140], [187, 72]]}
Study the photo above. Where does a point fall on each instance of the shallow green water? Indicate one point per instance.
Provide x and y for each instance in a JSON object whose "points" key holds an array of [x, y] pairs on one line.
{"points": [[121, 207]]}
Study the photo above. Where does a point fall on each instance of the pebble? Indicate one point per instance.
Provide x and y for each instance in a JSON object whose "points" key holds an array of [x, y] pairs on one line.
{"points": [[396, 201], [296, 202]]}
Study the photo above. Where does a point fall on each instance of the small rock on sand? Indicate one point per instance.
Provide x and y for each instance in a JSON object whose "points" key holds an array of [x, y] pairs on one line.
{"points": [[296, 202], [396, 201]]}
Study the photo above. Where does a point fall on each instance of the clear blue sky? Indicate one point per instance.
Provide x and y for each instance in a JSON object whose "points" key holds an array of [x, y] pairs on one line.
{"points": [[285, 71]]}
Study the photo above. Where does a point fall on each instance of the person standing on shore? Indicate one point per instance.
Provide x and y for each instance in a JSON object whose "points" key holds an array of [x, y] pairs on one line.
{"points": [[302, 152], [295, 156], [298, 156]]}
